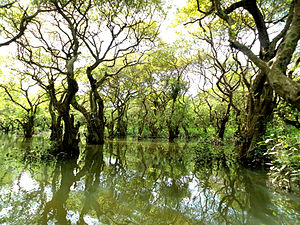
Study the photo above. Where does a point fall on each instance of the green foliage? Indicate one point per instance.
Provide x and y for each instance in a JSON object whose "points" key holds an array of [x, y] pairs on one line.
{"points": [[144, 82], [284, 153]]}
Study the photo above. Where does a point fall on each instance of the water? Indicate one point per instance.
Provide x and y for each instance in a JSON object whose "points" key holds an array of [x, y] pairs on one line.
{"points": [[133, 183]]}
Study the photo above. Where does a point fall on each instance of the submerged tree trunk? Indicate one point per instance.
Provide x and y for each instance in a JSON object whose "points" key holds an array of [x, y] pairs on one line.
{"points": [[28, 126], [56, 127], [94, 119], [121, 125], [260, 110], [96, 123], [70, 138], [64, 138], [173, 132]]}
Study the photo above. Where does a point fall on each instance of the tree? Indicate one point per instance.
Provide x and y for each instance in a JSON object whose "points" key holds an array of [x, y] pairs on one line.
{"points": [[256, 20], [170, 67], [126, 28], [220, 85], [22, 89], [52, 57], [119, 90], [15, 19]]}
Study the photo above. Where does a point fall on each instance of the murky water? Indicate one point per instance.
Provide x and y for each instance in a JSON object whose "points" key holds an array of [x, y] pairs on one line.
{"points": [[133, 183]]}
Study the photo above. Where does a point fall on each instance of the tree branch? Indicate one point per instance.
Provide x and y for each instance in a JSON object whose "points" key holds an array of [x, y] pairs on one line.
{"points": [[23, 24]]}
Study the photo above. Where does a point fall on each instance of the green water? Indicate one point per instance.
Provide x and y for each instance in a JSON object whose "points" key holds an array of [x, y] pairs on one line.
{"points": [[133, 183]]}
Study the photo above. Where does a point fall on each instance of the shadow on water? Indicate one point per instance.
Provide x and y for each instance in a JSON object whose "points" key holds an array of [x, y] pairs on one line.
{"points": [[134, 183]]}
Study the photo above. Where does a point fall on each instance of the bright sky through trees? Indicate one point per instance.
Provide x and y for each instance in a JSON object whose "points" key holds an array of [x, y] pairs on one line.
{"points": [[167, 33]]}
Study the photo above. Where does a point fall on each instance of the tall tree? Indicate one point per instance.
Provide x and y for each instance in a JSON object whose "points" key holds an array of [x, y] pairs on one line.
{"points": [[116, 31], [251, 23], [51, 49]]}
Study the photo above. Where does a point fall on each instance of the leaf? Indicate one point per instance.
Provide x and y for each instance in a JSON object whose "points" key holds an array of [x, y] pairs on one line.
{"points": [[286, 145], [268, 140], [282, 168], [274, 180]]}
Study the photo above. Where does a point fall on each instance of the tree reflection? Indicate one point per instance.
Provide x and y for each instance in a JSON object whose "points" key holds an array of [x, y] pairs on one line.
{"points": [[239, 197], [93, 166], [55, 208], [260, 205], [136, 183]]}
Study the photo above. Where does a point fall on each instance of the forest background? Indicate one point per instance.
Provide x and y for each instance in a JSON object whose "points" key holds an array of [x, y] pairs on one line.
{"points": [[90, 70]]}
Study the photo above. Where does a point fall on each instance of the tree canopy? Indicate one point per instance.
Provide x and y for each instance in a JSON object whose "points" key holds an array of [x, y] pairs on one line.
{"points": [[101, 69]]}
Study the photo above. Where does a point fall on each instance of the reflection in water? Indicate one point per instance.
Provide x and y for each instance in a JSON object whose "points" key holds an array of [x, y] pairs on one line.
{"points": [[135, 183]]}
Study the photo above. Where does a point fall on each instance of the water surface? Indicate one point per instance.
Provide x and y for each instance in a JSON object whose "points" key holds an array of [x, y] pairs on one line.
{"points": [[130, 182]]}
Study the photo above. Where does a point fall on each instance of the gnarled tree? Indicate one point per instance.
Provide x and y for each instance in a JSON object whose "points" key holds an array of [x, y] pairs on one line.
{"points": [[275, 27], [18, 91], [51, 49], [115, 31]]}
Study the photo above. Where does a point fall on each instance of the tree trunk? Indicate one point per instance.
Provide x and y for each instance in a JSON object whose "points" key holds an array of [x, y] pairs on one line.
{"points": [[221, 130], [65, 142], [56, 128], [121, 128], [65, 138], [95, 133], [28, 127], [142, 120], [222, 125], [111, 129], [173, 132], [94, 119], [70, 138], [260, 110], [154, 130], [96, 122]]}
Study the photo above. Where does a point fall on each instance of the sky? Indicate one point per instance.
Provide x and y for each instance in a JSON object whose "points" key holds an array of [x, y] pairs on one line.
{"points": [[168, 33]]}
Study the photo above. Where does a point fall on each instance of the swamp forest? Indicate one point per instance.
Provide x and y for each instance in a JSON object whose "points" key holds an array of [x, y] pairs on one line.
{"points": [[149, 112]]}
